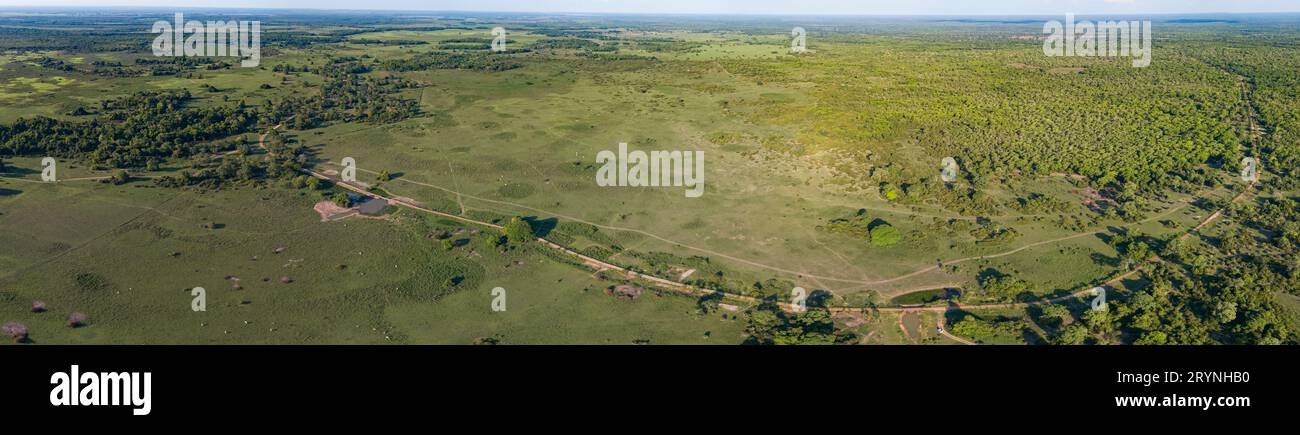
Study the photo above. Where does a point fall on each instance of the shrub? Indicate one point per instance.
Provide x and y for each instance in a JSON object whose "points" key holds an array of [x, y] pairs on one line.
{"points": [[517, 231], [119, 177], [341, 199], [885, 235]]}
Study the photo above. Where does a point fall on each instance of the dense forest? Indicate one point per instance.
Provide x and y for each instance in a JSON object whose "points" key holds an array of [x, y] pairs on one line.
{"points": [[141, 131], [1217, 290], [129, 132], [1015, 115], [454, 60]]}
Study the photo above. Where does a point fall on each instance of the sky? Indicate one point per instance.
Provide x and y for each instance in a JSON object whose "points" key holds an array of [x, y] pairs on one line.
{"points": [[783, 7]]}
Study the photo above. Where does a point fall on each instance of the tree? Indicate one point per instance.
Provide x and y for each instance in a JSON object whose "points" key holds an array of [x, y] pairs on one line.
{"points": [[1226, 312], [1056, 314], [1135, 253], [813, 326], [1176, 249], [763, 322], [1098, 321], [342, 199], [1005, 286], [1072, 334], [884, 235], [708, 303], [1153, 338], [973, 328], [517, 231], [492, 240], [768, 324], [119, 177]]}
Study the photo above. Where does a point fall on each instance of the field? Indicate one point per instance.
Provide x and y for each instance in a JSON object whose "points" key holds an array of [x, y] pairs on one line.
{"points": [[130, 256], [1074, 173]]}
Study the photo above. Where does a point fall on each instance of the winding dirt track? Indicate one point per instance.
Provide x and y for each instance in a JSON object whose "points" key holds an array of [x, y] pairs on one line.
{"points": [[685, 288], [689, 289], [859, 282], [692, 290], [678, 286]]}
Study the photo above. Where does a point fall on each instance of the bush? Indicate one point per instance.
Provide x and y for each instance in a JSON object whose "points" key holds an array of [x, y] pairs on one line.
{"points": [[1073, 334], [517, 231], [341, 199], [885, 235], [119, 177]]}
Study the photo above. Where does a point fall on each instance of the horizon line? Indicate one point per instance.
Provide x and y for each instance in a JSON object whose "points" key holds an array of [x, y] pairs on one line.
{"points": [[518, 12]]}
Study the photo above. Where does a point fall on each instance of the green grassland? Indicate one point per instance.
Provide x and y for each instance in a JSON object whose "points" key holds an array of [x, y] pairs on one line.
{"points": [[854, 131], [536, 130], [128, 257]]}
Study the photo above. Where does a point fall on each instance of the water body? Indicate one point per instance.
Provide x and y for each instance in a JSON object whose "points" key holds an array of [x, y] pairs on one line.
{"points": [[371, 207]]}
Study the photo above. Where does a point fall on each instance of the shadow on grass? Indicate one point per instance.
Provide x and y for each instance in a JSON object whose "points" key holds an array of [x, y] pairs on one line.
{"points": [[542, 227], [17, 171]]}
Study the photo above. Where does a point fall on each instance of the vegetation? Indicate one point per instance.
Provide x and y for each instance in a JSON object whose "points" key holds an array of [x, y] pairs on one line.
{"points": [[767, 324], [1074, 173], [517, 231], [884, 235], [878, 232]]}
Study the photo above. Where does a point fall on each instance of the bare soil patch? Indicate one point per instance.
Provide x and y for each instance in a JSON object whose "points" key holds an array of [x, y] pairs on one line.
{"points": [[329, 211]]}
